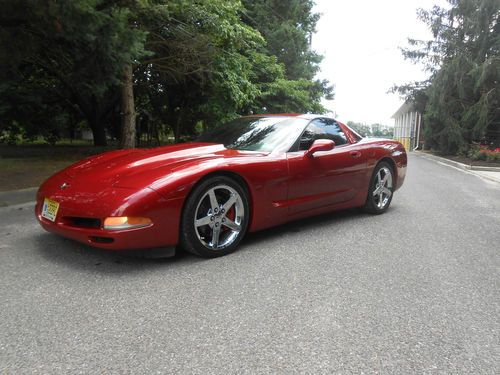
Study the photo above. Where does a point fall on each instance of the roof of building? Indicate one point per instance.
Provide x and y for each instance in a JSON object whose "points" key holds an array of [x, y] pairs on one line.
{"points": [[405, 108]]}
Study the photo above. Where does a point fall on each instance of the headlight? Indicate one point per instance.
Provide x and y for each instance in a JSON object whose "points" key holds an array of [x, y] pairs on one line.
{"points": [[126, 222]]}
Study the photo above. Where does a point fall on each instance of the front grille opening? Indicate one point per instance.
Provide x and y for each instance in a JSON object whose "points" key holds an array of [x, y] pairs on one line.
{"points": [[98, 239], [82, 222]]}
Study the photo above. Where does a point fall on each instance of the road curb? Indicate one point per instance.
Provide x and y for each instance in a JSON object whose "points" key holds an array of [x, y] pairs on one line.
{"points": [[476, 170], [458, 164], [485, 169], [15, 197]]}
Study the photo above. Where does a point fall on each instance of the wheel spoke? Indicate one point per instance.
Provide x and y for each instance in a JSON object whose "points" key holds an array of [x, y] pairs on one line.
{"points": [[385, 179], [376, 191], [229, 203], [203, 221], [213, 200], [381, 199], [215, 236], [387, 191], [231, 224]]}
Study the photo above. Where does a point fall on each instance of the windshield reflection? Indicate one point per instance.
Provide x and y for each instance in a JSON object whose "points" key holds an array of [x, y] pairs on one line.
{"points": [[265, 134]]}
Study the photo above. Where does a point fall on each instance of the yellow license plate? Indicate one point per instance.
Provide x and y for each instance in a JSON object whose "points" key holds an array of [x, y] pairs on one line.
{"points": [[49, 209]]}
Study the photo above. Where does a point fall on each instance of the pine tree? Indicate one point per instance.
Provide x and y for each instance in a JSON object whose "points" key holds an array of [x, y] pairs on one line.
{"points": [[461, 99]]}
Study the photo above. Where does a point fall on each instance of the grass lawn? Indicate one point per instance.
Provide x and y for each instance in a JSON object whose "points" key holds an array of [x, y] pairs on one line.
{"points": [[29, 172], [27, 166]]}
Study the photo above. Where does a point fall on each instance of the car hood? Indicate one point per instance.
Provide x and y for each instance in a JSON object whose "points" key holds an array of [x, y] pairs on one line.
{"points": [[139, 168]]}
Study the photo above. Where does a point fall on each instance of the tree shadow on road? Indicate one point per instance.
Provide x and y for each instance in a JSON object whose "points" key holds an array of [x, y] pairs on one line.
{"points": [[72, 254]]}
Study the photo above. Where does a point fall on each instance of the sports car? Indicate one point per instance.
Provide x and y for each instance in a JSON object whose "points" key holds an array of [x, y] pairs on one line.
{"points": [[250, 174]]}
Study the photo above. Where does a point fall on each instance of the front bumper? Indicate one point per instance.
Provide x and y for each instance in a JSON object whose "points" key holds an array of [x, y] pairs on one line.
{"points": [[165, 216]]}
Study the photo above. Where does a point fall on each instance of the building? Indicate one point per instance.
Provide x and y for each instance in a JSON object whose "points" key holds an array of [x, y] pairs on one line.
{"points": [[407, 126]]}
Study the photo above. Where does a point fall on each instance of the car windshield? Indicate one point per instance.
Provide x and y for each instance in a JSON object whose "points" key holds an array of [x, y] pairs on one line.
{"points": [[265, 134]]}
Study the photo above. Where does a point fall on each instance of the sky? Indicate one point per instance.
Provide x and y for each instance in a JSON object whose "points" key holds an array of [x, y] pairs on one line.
{"points": [[359, 40]]}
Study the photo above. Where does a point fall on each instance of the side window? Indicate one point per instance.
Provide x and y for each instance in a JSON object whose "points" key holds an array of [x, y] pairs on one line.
{"points": [[312, 132], [322, 128]]}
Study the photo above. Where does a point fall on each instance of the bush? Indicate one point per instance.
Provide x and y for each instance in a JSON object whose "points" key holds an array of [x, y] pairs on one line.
{"points": [[485, 155], [492, 156], [482, 156], [474, 152], [464, 150]]}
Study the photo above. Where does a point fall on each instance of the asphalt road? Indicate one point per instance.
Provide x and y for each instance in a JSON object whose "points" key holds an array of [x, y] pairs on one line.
{"points": [[415, 290]]}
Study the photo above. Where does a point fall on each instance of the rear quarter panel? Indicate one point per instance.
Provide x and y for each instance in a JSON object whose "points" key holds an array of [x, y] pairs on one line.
{"points": [[389, 150]]}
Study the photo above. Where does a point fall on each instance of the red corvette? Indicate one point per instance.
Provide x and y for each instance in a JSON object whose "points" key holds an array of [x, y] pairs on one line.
{"points": [[252, 173]]}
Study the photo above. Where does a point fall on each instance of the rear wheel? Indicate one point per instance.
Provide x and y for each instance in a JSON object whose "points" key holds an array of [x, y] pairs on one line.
{"points": [[215, 217], [381, 189]]}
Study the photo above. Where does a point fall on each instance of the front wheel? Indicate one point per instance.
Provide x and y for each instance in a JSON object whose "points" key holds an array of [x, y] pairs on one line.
{"points": [[381, 189], [215, 217]]}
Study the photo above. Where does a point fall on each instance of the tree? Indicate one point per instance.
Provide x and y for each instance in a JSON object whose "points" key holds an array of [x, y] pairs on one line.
{"points": [[287, 26], [461, 99], [363, 129], [177, 65], [81, 45], [201, 67]]}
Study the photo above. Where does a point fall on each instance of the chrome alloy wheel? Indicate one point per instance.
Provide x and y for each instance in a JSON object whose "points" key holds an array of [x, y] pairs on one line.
{"points": [[383, 187], [219, 216]]}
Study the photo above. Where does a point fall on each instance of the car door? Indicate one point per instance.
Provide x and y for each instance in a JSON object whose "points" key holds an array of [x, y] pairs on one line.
{"points": [[326, 178]]}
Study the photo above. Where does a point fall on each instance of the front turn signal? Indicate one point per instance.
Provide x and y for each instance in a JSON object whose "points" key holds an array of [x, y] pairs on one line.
{"points": [[126, 222]]}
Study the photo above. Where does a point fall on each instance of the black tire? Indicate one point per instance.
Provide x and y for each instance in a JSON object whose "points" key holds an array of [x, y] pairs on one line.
{"points": [[377, 203], [204, 239]]}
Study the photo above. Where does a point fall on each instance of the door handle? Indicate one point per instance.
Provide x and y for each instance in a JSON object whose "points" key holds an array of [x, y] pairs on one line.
{"points": [[355, 154]]}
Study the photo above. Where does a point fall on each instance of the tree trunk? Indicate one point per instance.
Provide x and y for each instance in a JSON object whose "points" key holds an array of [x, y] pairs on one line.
{"points": [[177, 130], [99, 134], [128, 110]]}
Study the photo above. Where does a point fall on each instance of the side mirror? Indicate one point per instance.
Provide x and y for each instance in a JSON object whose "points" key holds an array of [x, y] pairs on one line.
{"points": [[320, 145]]}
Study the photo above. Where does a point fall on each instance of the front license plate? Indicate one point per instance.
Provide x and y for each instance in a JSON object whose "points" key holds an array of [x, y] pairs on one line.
{"points": [[49, 209]]}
